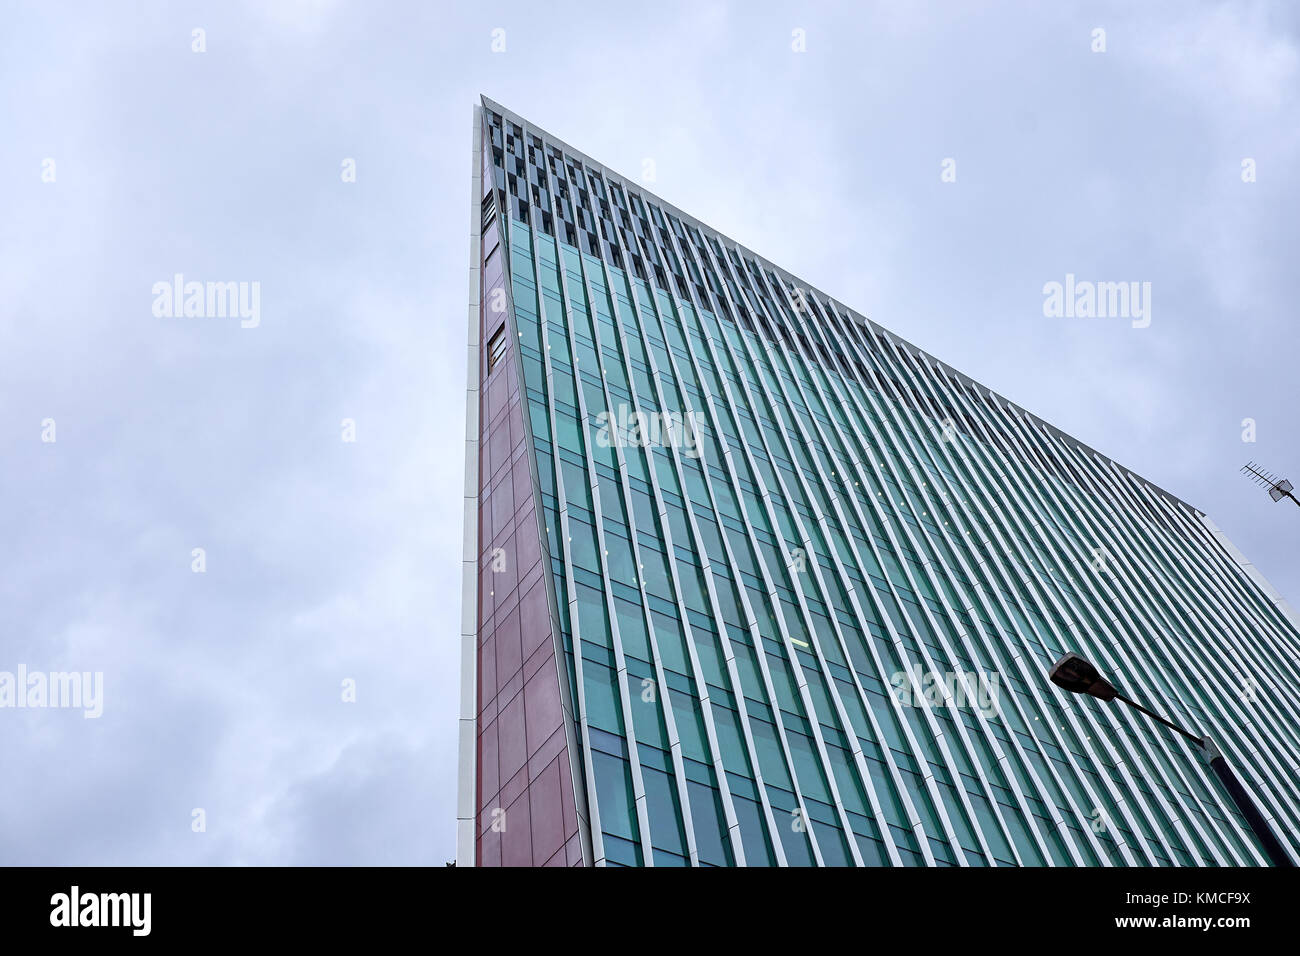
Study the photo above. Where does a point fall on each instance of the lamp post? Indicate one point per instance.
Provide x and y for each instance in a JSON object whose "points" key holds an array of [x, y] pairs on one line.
{"points": [[1078, 676]]}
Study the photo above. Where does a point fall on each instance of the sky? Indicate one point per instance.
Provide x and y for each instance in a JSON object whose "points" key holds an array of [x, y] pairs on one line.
{"points": [[249, 525]]}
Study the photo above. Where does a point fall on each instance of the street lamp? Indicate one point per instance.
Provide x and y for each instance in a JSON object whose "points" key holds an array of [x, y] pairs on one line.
{"points": [[1078, 676]]}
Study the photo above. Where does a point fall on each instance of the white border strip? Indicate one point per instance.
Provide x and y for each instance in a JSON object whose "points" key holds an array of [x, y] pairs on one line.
{"points": [[467, 775]]}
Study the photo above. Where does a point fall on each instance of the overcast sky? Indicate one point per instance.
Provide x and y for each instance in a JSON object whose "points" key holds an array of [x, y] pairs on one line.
{"points": [[328, 560]]}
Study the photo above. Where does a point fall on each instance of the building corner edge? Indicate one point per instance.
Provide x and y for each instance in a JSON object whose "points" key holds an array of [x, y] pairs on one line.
{"points": [[467, 724], [1252, 572]]}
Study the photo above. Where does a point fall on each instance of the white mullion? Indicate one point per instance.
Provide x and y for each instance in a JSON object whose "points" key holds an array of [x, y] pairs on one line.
{"points": [[979, 590], [1050, 596], [938, 733], [1263, 657], [675, 747], [742, 593], [1231, 739], [1228, 736], [998, 576], [561, 507], [921, 382], [589, 463], [1118, 799], [923, 763], [841, 715], [958, 550], [733, 674], [1138, 593], [820, 519], [1174, 814]]}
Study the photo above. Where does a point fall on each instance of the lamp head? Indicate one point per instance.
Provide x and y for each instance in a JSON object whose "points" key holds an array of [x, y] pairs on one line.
{"points": [[1076, 675]]}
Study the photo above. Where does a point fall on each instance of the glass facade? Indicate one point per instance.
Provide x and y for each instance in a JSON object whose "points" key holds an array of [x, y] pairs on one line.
{"points": [[800, 583]]}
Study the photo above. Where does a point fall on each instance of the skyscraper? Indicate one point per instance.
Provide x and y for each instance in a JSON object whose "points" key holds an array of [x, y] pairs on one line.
{"points": [[751, 580]]}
